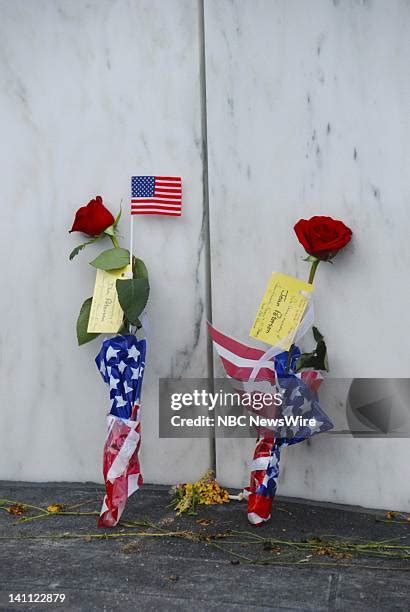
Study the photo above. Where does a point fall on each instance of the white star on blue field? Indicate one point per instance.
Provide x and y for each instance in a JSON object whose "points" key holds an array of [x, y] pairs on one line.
{"points": [[142, 186]]}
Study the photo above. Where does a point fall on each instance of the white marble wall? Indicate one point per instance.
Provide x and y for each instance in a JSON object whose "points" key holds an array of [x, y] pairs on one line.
{"points": [[91, 93], [308, 113]]}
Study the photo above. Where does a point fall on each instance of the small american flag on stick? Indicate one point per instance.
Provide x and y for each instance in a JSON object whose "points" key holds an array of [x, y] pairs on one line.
{"points": [[156, 195]]}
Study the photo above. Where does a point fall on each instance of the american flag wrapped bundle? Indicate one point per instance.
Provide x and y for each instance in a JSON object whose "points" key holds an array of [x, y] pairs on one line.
{"points": [[121, 362], [254, 369]]}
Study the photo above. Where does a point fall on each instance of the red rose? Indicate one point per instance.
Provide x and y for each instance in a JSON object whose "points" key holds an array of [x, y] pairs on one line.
{"points": [[93, 218], [322, 237]]}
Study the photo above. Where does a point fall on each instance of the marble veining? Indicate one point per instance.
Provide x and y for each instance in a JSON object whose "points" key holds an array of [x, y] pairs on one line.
{"points": [[92, 93], [308, 114]]}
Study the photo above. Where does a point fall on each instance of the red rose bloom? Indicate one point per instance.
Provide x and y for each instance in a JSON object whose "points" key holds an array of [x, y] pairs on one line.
{"points": [[322, 237], [93, 218]]}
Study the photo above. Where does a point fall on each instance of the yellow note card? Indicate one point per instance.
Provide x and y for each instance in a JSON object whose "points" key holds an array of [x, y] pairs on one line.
{"points": [[281, 310], [106, 313]]}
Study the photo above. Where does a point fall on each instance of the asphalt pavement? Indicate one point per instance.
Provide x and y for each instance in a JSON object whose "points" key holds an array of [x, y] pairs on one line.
{"points": [[310, 556]]}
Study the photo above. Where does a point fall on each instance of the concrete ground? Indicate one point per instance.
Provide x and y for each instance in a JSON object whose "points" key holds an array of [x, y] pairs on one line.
{"points": [[211, 561]]}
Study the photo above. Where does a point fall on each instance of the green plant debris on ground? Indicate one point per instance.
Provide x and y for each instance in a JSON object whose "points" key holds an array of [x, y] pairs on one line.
{"points": [[240, 546]]}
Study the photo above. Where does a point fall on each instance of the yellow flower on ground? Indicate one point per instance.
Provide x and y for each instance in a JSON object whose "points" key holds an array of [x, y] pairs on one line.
{"points": [[205, 491], [55, 508]]}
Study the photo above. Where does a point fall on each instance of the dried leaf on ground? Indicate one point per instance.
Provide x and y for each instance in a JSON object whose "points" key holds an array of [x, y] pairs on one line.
{"points": [[17, 509], [167, 520], [205, 522]]}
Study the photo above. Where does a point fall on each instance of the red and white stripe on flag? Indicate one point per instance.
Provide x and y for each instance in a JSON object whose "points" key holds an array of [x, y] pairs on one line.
{"points": [[121, 470], [156, 195], [239, 359]]}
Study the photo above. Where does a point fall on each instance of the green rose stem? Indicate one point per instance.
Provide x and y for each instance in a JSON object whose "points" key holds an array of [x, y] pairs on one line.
{"points": [[115, 242], [313, 269], [312, 273]]}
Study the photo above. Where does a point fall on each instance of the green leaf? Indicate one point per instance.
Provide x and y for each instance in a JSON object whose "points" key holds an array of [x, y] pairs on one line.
{"points": [[77, 249], [82, 323], [111, 231], [321, 353], [316, 334], [124, 329], [317, 359], [139, 269], [117, 218], [305, 360], [133, 296], [80, 247], [111, 259], [310, 258]]}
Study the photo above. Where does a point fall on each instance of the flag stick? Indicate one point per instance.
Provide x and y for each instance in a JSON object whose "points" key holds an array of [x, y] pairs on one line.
{"points": [[131, 239], [131, 274]]}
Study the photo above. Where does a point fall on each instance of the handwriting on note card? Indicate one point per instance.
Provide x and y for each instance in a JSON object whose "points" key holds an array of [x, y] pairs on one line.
{"points": [[106, 314], [281, 310]]}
